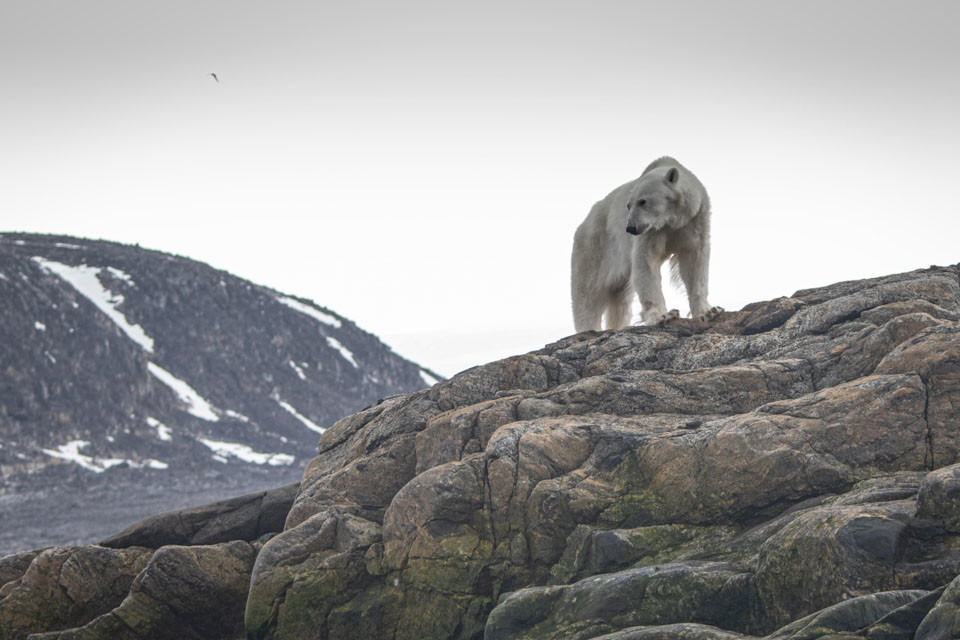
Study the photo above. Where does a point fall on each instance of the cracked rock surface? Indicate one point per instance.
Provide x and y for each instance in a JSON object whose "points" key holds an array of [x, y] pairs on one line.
{"points": [[790, 470]]}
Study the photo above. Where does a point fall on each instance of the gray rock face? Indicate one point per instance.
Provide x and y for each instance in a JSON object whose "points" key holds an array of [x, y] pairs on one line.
{"points": [[182, 592], [244, 518], [124, 369], [785, 471]]}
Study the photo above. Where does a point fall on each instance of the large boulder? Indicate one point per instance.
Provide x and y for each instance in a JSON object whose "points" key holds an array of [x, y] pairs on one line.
{"points": [[69, 586], [183, 593], [942, 622], [714, 593]]}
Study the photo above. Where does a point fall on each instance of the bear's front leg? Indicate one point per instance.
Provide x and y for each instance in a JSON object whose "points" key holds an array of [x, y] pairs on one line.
{"points": [[646, 282], [693, 267]]}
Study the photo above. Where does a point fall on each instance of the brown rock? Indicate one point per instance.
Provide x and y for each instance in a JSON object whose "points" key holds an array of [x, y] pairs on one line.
{"points": [[69, 586], [317, 565], [184, 593], [829, 554], [12, 568], [939, 497]]}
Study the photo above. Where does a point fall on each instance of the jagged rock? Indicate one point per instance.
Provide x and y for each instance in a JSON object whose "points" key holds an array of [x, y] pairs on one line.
{"points": [[244, 518], [711, 593], [849, 617], [365, 460], [590, 550], [330, 549], [939, 497], [784, 469], [828, 554], [695, 425], [885, 488], [783, 452], [943, 620], [68, 586], [12, 568], [184, 593], [934, 355]]}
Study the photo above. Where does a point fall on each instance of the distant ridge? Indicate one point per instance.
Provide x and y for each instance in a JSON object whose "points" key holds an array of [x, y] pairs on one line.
{"points": [[161, 370]]}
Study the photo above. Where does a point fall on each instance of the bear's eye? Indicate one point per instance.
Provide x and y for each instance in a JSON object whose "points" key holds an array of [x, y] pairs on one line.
{"points": [[640, 203]]}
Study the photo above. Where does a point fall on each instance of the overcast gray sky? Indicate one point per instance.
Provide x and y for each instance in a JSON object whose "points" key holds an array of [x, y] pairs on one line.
{"points": [[420, 167]]}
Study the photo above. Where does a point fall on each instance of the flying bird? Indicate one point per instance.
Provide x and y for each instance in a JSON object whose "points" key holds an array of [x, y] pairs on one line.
{"points": [[215, 77]]}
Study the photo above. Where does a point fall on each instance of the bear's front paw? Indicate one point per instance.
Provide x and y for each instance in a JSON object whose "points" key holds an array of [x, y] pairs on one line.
{"points": [[673, 314], [712, 313]]}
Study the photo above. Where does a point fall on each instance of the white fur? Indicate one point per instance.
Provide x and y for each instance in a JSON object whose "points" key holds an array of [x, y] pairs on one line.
{"points": [[609, 265]]}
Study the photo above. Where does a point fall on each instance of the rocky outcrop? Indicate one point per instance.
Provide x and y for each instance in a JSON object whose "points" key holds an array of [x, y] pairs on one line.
{"points": [[66, 586], [182, 593], [787, 470], [181, 574]]}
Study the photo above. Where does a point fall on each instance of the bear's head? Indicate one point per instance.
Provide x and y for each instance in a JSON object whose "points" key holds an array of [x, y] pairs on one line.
{"points": [[654, 201]]}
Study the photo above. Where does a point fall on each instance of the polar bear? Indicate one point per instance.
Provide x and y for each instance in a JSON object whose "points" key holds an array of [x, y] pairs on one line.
{"points": [[619, 249]]}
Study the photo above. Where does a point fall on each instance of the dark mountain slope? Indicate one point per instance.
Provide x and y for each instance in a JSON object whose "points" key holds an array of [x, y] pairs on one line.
{"points": [[166, 371]]}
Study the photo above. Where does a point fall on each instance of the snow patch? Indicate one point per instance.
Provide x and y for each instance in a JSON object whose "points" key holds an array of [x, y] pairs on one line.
{"points": [[242, 452], [163, 431], [50, 357], [39, 326], [236, 415], [121, 275], [299, 371], [71, 452], [303, 419], [196, 405], [84, 279], [296, 305], [346, 353], [427, 378], [67, 245], [3, 277]]}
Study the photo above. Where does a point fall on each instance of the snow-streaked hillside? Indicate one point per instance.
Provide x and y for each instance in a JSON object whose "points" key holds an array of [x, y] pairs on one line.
{"points": [[119, 360]]}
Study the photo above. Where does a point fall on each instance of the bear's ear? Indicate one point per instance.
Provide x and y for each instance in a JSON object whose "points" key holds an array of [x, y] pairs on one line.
{"points": [[673, 175]]}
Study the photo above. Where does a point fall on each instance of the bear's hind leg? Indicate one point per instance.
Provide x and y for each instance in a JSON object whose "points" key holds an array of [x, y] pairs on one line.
{"points": [[619, 308], [693, 269], [587, 311]]}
